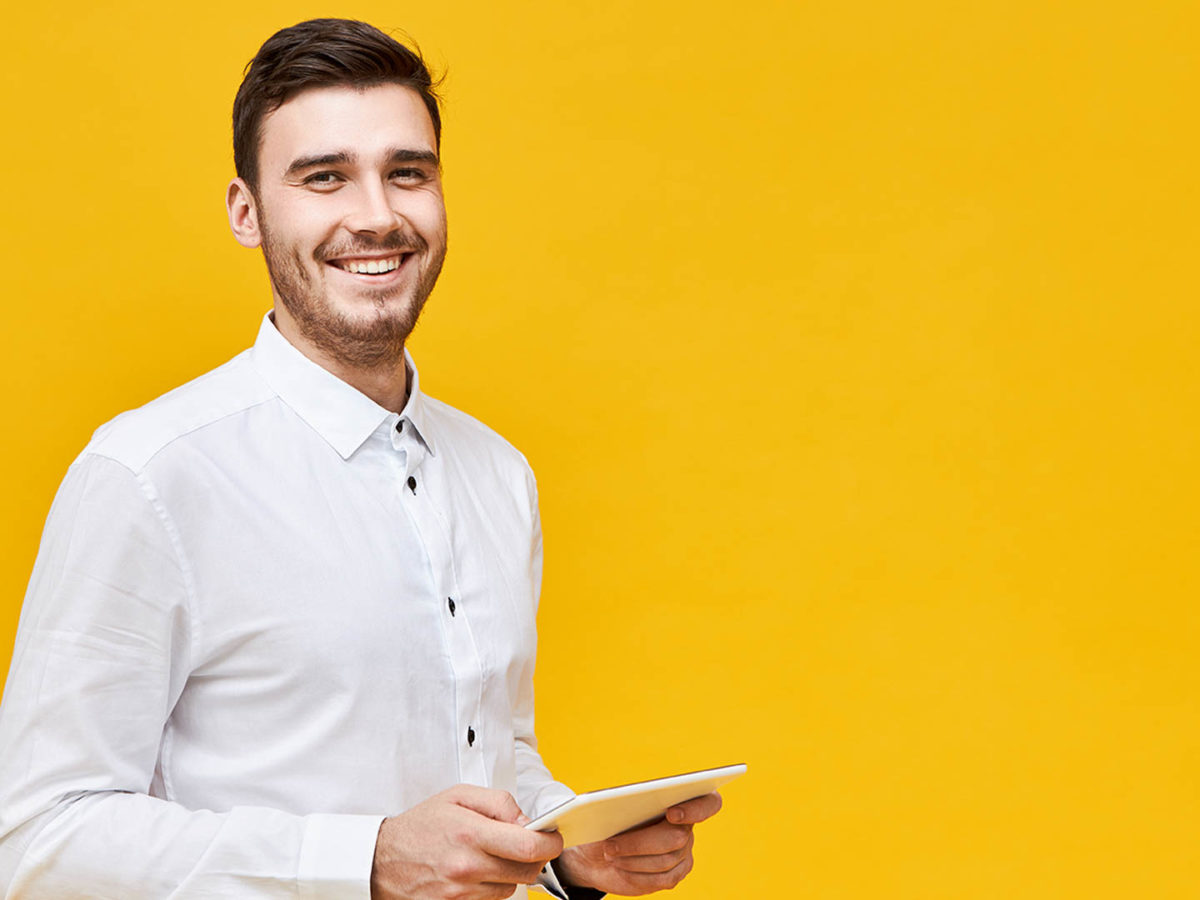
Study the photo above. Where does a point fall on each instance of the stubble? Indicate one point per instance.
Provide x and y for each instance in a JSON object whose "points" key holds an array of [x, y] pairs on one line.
{"points": [[369, 342]]}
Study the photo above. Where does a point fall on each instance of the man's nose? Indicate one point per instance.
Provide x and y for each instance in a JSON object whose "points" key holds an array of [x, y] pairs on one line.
{"points": [[372, 212]]}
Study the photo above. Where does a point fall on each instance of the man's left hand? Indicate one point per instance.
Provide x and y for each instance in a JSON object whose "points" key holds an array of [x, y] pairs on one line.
{"points": [[652, 858]]}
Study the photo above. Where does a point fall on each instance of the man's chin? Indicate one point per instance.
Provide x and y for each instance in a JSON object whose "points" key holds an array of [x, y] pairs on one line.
{"points": [[354, 323], [366, 338]]}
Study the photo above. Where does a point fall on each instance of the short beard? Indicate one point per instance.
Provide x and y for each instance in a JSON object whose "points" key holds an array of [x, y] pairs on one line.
{"points": [[376, 343]]}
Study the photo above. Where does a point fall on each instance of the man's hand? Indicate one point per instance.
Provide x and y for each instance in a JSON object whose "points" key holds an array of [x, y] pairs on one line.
{"points": [[654, 857], [466, 843]]}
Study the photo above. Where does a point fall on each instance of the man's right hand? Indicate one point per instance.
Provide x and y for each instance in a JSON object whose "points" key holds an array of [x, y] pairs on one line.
{"points": [[466, 843]]}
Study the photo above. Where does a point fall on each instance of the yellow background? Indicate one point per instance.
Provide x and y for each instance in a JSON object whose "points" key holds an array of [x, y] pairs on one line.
{"points": [[853, 345]]}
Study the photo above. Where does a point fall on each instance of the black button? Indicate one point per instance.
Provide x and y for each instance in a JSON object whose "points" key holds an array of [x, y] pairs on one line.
{"points": [[470, 736], [400, 425], [450, 600], [412, 484]]}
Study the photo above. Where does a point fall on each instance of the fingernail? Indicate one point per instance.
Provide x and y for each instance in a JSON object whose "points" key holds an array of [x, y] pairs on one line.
{"points": [[523, 820], [610, 850], [675, 815]]}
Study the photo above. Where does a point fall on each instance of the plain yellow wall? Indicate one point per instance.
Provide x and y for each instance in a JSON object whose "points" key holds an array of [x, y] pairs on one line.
{"points": [[854, 347]]}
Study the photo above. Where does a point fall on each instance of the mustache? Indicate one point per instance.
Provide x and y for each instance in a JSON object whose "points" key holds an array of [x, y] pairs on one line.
{"points": [[396, 241]]}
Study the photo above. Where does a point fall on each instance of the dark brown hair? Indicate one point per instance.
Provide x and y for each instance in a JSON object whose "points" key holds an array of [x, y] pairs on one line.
{"points": [[321, 53]]}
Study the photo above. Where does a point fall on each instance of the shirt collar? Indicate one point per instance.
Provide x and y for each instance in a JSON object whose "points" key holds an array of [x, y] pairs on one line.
{"points": [[341, 414]]}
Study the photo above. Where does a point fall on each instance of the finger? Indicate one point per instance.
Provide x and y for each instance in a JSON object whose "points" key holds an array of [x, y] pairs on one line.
{"points": [[506, 871], [695, 810], [658, 862], [494, 891], [662, 837], [494, 804], [474, 867], [649, 882], [512, 842]]}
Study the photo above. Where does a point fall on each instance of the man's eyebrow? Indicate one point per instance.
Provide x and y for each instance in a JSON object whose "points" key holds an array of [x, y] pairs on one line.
{"points": [[343, 157], [300, 163], [404, 154]]}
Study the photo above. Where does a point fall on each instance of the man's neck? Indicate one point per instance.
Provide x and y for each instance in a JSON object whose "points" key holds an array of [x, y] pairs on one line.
{"points": [[386, 384]]}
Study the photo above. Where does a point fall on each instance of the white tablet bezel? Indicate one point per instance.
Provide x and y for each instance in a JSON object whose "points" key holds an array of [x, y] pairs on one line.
{"points": [[613, 810]]}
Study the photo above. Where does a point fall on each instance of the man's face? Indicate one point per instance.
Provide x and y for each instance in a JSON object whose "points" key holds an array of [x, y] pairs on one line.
{"points": [[352, 220]]}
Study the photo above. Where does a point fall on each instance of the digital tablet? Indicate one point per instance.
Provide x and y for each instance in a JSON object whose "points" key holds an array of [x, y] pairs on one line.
{"points": [[597, 815]]}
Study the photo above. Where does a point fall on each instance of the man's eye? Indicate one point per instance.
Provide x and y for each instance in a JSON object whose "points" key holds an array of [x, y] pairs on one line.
{"points": [[322, 178], [409, 174]]}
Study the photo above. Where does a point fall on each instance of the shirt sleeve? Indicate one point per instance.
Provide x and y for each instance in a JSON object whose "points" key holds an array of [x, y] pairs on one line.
{"points": [[103, 651], [537, 791]]}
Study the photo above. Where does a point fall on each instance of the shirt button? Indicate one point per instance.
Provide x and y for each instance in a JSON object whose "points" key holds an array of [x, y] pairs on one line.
{"points": [[450, 601], [470, 736], [400, 425], [412, 484]]}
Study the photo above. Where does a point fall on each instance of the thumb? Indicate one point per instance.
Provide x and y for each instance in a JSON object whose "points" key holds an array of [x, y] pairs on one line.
{"points": [[494, 804]]}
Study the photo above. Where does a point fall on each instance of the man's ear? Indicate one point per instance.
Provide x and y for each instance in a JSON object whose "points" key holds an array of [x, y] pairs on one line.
{"points": [[243, 213]]}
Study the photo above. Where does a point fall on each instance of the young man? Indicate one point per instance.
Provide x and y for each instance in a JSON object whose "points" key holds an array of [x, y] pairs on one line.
{"points": [[279, 639]]}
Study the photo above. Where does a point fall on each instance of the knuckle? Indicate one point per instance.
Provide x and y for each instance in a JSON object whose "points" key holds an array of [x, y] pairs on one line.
{"points": [[544, 847], [460, 867], [656, 865], [527, 848], [664, 881], [683, 870]]}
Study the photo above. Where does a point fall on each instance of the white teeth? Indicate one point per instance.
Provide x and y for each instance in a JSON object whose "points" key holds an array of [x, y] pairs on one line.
{"points": [[373, 267]]}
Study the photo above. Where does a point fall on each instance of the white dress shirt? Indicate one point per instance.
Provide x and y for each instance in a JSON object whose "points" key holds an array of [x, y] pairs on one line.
{"points": [[266, 613]]}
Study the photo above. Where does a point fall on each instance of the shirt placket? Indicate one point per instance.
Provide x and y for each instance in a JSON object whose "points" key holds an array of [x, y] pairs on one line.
{"points": [[466, 665]]}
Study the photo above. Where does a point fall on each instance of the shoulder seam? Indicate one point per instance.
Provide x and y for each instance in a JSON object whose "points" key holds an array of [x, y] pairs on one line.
{"points": [[144, 462]]}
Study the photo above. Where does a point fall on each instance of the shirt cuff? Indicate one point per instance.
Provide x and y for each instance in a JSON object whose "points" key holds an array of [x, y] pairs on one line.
{"points": [[548, 882], [336, 857]]}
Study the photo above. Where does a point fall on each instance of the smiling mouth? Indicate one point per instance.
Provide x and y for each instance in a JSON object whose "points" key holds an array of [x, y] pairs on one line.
{"points": [[371, 265]]}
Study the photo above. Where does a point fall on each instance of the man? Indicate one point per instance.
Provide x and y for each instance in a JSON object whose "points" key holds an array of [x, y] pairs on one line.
{"points": [[279, 637]]}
